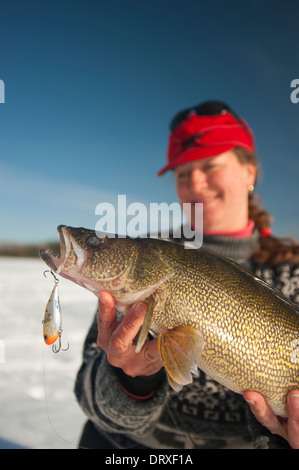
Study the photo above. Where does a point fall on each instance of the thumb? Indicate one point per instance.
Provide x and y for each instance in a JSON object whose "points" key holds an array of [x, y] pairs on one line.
{"points": [[151, 351]]}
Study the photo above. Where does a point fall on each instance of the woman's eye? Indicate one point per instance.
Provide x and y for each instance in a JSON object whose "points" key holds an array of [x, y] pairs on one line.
{"points": [[94, 241], [183, 175], [210, 166]]}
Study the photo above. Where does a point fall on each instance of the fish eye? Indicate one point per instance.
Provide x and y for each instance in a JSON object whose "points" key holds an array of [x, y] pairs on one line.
{"points": [[93, 240]]}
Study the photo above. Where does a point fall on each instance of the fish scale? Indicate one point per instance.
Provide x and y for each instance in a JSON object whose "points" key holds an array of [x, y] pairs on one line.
{"points": [[208, 312]]}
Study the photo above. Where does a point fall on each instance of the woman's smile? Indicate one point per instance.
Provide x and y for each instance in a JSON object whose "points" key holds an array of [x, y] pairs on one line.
{"points": [[207, 199]]}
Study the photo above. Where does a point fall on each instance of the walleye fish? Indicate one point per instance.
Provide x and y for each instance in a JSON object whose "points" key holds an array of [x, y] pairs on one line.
{"points": [[209, 313]]}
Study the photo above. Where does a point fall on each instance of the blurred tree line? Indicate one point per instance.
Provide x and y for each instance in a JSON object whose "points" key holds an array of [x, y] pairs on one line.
{"points": [[28, 251]]}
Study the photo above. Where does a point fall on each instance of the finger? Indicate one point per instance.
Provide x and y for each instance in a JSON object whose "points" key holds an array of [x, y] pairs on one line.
{"points": [[126, 331], [146, 362], [107, 308], [152, 359], [151, 352], [106, 319], [293, 418], [264, 414]]}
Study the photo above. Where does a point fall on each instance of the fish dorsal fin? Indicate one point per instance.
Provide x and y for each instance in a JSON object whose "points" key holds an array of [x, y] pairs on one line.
{"points": [[180, 350], [253, 277]]}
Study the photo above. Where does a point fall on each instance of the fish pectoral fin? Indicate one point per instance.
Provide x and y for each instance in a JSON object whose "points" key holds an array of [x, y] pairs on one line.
{"points": [[180, 350], [146, 323]]}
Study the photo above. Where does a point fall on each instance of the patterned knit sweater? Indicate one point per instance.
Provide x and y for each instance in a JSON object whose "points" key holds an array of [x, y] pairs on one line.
{"points": [[204, 414]]}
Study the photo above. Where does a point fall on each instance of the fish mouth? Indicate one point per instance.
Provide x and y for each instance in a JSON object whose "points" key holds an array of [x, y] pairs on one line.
{"points": [[67, 246], [51, 260], [54, 262]]}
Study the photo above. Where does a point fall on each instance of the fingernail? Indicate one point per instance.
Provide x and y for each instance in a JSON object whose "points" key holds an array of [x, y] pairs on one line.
{"points": [[151, 356], [293, 399], [102, 298], [250, 402], [139, 310]]}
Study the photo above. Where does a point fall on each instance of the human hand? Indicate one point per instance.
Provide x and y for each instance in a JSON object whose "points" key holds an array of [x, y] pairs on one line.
{"points": [[116, 338], [287, 428]]}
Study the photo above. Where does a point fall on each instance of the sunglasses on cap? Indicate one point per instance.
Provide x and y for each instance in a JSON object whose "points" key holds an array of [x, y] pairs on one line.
{"points": [[208, 108]]}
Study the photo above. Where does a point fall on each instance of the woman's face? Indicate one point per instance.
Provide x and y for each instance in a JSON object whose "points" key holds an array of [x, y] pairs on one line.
{"points": [[221, 184]]}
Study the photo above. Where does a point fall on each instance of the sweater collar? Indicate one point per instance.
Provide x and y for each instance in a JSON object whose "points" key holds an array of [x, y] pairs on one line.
{"points": [[243, 233], [239, 249]]}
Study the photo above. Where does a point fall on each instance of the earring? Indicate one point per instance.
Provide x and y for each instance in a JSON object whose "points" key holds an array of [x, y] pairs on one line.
{"points": [[250, 188]]}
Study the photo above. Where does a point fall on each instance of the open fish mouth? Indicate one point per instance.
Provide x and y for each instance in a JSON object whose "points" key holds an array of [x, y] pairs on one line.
{"points": [[51, 260], [67, 246], [54, 262]]}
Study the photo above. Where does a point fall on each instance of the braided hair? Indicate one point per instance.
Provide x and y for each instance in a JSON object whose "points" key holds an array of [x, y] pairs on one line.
{"points": [[272, 250]]}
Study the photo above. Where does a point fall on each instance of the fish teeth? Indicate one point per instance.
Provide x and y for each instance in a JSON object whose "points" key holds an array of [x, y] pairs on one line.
{"points": [[50, 253]]}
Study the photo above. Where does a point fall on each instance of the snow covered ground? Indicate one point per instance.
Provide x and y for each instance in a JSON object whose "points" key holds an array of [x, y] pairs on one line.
{"points": [[38, 408]]}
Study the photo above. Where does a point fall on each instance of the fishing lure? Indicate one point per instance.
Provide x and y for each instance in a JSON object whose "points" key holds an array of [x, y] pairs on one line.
{"points": [[53, 319]]}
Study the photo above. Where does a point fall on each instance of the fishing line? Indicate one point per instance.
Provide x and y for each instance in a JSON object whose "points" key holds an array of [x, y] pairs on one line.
{"points": [[46, 404], [113, 442], [174, 415], [52, 331]]}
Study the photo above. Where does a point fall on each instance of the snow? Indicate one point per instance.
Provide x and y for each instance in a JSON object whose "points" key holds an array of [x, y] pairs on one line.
{"points": [[38, 408]]}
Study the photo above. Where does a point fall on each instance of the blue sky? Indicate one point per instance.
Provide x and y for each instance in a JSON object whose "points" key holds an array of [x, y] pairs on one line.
{"points": [[90, 87]]}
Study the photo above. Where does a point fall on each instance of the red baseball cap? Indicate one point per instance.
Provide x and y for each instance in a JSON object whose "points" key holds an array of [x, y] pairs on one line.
{"points": [[203, 136]]}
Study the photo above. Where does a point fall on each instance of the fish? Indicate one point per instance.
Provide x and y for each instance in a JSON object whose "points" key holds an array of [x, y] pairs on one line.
{"points": [[208, 312]]}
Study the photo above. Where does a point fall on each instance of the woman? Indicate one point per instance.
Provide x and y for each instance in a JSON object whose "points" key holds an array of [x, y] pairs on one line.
{"points": [[126, 395]]}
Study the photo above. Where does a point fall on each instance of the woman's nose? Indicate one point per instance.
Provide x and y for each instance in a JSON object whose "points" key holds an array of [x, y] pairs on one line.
{"points": [[198, 180]]}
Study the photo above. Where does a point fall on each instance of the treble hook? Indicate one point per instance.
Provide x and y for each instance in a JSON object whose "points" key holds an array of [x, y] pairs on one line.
{"points": [[56, 280], [55, 349], [53, 319]]}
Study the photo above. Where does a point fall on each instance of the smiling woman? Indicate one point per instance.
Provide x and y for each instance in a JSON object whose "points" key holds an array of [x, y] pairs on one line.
{"points": [[212, 153]]}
